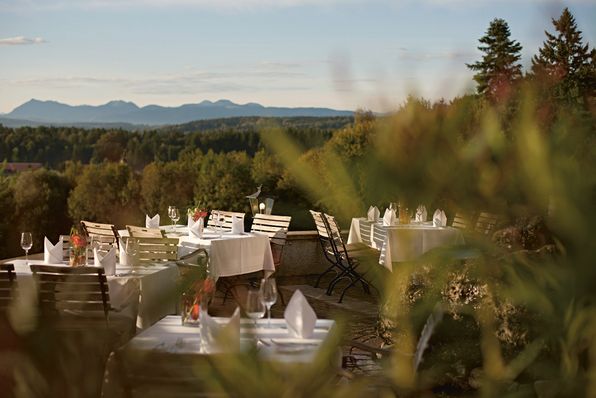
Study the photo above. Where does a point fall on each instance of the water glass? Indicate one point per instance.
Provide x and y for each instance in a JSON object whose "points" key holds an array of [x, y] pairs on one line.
{"points": [[26, 244], [268, 291], [255, 309]]}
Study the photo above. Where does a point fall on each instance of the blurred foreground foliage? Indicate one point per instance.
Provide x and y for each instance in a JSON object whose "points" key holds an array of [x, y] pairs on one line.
{"points": [[522, 309]]}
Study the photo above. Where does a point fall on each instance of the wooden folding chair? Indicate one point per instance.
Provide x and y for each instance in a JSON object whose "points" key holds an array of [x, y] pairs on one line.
{"points": [[486, 223], [276, 228], [432, 322], [8, 282], [76, 294], [156, 250], [327, 245], [350, 259], [141, 232], [224, 217], [105, 234], [461, 221]]}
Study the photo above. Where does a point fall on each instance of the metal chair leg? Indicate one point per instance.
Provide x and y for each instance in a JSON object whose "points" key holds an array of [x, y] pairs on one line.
{"points": [[331, 268]]}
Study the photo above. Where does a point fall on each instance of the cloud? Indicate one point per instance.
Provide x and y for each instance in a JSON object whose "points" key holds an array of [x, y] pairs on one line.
{"points": [[21, 40], [265, 76]]}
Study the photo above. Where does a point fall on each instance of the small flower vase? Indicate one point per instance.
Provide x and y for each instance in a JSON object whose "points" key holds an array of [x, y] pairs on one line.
{"points": [[76, 258], [190, 309]]}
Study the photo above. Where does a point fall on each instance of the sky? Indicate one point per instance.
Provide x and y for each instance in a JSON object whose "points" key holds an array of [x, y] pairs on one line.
{"points": [[342, 54]]}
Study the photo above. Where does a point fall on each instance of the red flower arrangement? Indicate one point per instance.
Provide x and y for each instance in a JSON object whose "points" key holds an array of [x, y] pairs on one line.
{"points": [[78, 246], [196, 213], [203, 290]]}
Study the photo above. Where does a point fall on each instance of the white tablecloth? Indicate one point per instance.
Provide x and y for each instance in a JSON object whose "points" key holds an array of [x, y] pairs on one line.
{"points": [[402, 242], [169, 336], [145, 297], [229, 254]]}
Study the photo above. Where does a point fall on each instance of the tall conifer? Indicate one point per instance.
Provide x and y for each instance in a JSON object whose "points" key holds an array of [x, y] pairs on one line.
{"points": [[499, 67], [565, 64]]}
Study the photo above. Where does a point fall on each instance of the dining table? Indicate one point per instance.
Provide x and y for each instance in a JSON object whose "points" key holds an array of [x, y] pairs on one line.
{"points": [[402, 242], [230, 254], [171, 337], [143, 294]]}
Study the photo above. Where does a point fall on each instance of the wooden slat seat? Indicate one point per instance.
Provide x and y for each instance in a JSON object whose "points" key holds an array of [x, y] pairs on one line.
{"points": [[142, 232], [226, 218]]}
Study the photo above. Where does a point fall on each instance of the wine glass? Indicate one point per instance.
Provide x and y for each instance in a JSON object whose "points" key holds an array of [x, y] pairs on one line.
{"points": [[26, 244], [174, 215], [255, 308], [268, 291], [130, 247]]}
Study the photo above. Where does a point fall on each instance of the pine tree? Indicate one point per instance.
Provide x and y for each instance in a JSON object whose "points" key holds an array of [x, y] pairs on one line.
{"points": [[499, 67], [564, 64]]}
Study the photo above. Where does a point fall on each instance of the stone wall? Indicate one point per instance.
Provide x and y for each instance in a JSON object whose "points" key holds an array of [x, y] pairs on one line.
{"points": [[302, 255]]}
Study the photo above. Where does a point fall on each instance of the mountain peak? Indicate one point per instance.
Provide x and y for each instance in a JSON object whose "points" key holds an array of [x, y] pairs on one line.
{"points": [[119, 111], [224, 102], [121, 104]]}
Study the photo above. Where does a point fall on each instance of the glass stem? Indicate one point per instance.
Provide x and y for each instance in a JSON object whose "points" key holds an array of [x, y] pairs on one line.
{"points": [[26, 256], [269, 316]]}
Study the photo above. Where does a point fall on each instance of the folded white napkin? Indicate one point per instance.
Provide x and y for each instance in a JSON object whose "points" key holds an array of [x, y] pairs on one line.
{"points": [[373, 213], [237, 225], [300, 316], [52, 254], [195, 228], [152, 222], [439, 218], [421, 214], [218, 338], [106, 261], [124, 258], [389, 218]]}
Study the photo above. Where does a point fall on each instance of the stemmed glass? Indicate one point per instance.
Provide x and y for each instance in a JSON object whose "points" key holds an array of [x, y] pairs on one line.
{"points": [[130, 247], [174, 215], [268, 291], [26, 244], [255, 309]]}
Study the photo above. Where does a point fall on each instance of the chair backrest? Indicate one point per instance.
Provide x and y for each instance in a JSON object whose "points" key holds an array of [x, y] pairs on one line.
{"points": [[324, 236], [364, 228], [142, 232], [63, 291], [486, 223], [8, 281], [380, 235], [276, 227], [105, 233], [155, 250], [461, 221], [225, 218], [337, 241], [320, 224]]}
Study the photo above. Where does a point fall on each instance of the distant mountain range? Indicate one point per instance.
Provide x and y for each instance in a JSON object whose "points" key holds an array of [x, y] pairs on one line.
{"points": [[121, 113]]}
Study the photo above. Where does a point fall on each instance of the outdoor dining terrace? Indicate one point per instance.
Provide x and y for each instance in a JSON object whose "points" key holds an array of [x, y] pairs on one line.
{"points": [[163, 309]]}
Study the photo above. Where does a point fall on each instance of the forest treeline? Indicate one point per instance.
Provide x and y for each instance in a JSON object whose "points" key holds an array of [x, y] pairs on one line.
{"points": [[53, 146]]}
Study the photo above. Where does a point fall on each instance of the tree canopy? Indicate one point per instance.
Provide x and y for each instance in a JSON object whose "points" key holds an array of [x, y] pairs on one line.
{"points": [[499, 67], [565, 64]]}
